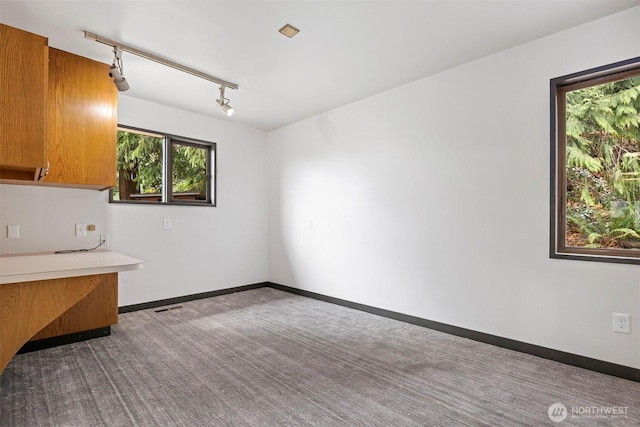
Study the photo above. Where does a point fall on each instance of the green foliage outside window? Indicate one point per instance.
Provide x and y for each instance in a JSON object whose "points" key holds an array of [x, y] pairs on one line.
{"points": [[603, 165], [139, 163], [189, 173], [140, 168]]}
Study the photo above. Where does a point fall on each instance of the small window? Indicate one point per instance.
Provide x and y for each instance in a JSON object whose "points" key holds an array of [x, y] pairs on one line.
{"points": [[158, 168], [595, 164]]}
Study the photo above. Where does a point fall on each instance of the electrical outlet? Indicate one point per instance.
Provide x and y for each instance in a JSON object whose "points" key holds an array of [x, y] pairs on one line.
{"points": [[104, 238], [622, 323], [81, 230], [166, 224]]}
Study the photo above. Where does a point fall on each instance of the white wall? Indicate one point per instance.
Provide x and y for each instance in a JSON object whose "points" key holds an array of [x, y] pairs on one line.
{"points": [[47, 217], [207, 248], [432, 199]]}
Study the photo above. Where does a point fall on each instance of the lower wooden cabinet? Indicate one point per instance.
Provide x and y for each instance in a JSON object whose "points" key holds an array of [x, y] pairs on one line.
{"points": [[54, 307], [98, 309]]}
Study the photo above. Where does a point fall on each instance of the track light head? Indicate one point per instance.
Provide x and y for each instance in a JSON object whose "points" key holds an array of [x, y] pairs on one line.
{"points": [[223, 103], [120, 82], [115, 72], [225, 107]]}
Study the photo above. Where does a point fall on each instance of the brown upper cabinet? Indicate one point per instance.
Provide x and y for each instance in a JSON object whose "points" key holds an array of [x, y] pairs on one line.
{"points": [[83, 124], [23, 103], [79, 119]]}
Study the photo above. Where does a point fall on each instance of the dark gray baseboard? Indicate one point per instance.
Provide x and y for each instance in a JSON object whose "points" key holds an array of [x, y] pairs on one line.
{"points": [[596, 365], [192, 297]]}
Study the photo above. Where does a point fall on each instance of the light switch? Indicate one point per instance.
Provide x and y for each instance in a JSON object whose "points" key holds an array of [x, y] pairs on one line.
{"points": [[166, 224], [13, 231]]}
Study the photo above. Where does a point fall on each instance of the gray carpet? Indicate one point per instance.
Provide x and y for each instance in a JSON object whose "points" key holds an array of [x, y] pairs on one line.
{"points": [[266, 357]]}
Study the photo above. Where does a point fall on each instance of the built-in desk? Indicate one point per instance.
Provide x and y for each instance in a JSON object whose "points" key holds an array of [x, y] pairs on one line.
{"points": [[46, 295]]}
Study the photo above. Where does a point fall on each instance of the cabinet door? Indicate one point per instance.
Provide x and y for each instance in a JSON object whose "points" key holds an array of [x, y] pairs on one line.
{"points": [[83, 123], [23, 100]]}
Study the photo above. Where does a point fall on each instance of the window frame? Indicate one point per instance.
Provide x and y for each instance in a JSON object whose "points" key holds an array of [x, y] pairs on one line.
{"points": [[168, 140], [559, 87]]}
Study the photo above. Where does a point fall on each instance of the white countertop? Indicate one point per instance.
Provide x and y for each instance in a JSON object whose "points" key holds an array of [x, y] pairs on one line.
{"points": [[44, 266]]}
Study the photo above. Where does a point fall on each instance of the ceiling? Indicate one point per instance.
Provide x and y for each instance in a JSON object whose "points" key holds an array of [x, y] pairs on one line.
{"points": [[345, 51]]}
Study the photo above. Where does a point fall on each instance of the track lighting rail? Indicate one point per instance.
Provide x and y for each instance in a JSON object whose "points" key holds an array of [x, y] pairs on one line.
{"points": [[92, 36]]}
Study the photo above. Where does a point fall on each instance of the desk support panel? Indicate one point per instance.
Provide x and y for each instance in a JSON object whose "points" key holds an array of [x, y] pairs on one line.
{"points": [[28, 307], [97, 310]]}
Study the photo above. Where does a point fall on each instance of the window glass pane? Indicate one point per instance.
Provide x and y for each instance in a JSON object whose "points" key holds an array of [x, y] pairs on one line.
{"points": [[189, 172], [603, 166], [139, 174]]}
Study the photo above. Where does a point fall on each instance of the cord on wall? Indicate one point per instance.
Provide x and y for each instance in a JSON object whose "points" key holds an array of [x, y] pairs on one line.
{"points": [[69, 251]]}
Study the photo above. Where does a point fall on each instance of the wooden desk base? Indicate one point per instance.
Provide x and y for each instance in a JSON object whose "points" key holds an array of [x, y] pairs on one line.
{"points": [[48, 308]]}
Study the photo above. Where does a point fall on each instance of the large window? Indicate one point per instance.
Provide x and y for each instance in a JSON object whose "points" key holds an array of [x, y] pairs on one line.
{"points": [[158, 168], [595, 164]]}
